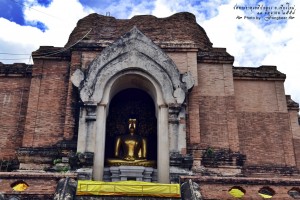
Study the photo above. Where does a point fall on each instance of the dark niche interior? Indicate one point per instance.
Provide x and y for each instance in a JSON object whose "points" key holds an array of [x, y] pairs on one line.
{"points": [[137, 104]]}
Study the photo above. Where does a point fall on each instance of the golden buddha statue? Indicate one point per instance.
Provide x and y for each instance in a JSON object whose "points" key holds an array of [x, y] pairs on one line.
{"points": [[130, 149]]}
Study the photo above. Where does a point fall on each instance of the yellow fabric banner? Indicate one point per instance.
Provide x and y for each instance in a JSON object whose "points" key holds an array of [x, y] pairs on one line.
{"points": [[127, 188]]}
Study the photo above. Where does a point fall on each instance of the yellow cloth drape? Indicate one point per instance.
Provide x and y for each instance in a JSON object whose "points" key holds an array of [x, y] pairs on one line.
{"points": [[128, 188]]}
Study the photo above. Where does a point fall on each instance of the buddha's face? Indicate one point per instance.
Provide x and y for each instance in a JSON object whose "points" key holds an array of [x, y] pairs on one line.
{"points": [[132, 125], [131, 129]]}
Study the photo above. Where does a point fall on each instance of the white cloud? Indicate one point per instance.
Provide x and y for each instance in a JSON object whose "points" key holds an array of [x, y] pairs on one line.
{"points": [[60, 17], [253, 44], [15, 38], [123, 9], [285, 54], [162, 8]]}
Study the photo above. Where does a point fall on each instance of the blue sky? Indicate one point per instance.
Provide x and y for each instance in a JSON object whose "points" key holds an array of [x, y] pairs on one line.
{"points": [[13, 11], [27, 24]]}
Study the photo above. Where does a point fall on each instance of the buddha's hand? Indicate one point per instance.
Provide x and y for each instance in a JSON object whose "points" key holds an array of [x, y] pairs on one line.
{"points": [[129, 158]]}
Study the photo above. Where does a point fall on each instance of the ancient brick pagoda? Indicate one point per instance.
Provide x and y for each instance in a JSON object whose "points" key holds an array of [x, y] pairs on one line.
{"points": [[229, 131]]}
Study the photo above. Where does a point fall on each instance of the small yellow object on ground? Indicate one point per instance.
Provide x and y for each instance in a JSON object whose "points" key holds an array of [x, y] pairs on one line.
{"points": [[265, 196], [235, 192], [128, 188], [20, 187]]}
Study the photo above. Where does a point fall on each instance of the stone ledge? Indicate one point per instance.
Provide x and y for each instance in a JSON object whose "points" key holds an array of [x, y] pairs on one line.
{"points": [[27, 174], [16, 69], [43, 151], [243, 180], [50, 52], [291, 104], [181, 161], [265, 72], [37, 155], [218, 158], [262, 171], [166, 46], [29, 196], [217, 55]]}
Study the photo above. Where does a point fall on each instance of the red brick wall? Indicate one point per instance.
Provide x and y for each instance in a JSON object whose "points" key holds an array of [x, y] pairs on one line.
{"points": [[214, 120], [79, 60], [297, 151], [13, 101], [40, 185], [218, 187], [36, 186], [264, 123], [264, 137], [220, 191], [211, 109], [295, 127], [193, 124], [47, 103]]}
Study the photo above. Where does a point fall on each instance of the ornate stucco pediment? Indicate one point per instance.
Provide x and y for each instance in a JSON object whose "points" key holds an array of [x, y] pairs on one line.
{"points": [[132, 52]]}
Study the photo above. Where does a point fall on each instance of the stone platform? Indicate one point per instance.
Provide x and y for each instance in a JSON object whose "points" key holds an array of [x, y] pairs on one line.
{"points": [[124, 173]]}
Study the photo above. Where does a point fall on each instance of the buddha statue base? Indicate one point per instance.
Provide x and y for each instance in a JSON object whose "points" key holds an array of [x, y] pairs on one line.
{"points": [[137, 162], [126, 173]]}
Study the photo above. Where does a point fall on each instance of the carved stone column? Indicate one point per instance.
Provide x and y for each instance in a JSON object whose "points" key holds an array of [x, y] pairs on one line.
{"points": [[86, 133], [163, 158], [174, 110], [99, 143]]}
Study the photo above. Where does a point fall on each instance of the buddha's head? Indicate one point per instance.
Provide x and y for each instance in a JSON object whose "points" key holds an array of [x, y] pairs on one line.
{"points": [[132, 125]]}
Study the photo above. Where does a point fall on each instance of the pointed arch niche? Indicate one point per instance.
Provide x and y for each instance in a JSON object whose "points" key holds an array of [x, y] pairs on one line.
{"points": [[133, 61], [137, 104]]}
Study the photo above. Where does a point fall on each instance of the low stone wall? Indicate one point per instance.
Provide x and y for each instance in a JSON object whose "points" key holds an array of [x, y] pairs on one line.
{"points": [[41, 185], [219, 187]]}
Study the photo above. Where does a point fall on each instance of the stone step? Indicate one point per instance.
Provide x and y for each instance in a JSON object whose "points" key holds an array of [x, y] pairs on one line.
{"points": [[121, 198]]}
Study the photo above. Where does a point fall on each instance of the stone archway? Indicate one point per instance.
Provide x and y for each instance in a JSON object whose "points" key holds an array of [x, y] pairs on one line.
{"points": [[133, 61], [145, 82]]}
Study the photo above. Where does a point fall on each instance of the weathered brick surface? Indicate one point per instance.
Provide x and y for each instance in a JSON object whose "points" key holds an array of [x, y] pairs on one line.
{"points": [[186, 61], [266, 96], [220, 191], [87, 57], [36, 186], [296, 143], [41, 185], [14, 93], [193, 123], [295, 128], [47, 104], [263, 122], [105, 30], [218, 187], [211, 80], [214, 114], [180, 59], [72, 99], [264, 72], [265, 138]]}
